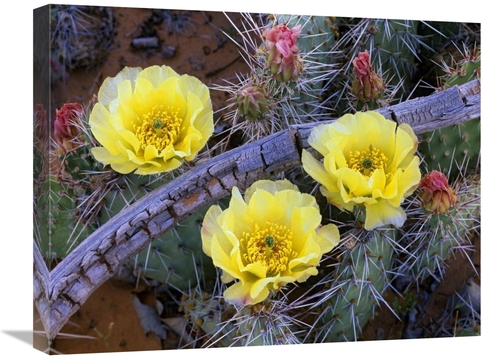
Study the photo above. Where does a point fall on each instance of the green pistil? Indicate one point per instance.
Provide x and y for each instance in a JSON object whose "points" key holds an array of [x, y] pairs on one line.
{"points": [[366, 163], [157, 124], [269, 241]]}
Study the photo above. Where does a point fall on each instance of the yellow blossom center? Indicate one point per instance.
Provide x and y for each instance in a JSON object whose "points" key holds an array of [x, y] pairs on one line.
{"points": [[367, 161], [271, 246], [159, 127]]}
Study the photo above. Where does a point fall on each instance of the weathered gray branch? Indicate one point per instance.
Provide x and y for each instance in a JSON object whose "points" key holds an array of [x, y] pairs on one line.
{"points": [[61, 292]]}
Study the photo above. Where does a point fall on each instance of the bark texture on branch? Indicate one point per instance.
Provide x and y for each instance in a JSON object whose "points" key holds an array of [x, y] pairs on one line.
{"points": [[61, 292]]}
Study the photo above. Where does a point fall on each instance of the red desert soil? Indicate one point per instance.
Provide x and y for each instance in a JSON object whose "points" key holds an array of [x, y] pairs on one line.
{"points": [[108, 316]]}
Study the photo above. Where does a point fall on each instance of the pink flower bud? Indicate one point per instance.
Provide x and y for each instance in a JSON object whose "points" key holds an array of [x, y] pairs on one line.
{"points": [[437, 195], [66, 131], [368, 85], [283, 53]]}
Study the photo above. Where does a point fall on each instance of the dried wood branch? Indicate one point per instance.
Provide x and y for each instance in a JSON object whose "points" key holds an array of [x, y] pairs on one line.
{"points": [[61, 292]]}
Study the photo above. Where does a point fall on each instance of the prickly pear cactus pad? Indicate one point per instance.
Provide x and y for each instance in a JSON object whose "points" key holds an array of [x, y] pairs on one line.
{"points": [[356, 285], [255, 179], [447, 219], [176, 258], [455, 149]]}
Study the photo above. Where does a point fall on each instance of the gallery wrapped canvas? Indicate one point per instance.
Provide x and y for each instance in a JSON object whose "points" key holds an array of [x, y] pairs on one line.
{"points": [[210, 179]]}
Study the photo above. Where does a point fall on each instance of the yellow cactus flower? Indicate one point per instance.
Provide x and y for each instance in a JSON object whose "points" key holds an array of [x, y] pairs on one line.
{"points": [[268, 238], [150, 121], [367, 162]]}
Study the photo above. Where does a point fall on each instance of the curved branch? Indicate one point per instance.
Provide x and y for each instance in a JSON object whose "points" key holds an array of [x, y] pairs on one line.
{"points": [[61, 292]]}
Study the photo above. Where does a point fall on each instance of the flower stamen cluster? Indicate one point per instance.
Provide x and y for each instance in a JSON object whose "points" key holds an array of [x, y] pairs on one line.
{"points": [[158, 127], [271, 246], [366, 161]]}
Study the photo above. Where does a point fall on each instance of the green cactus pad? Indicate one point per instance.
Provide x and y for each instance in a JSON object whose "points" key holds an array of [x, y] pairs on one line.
{"points": [[455, 149], [452, 150], [177, 258], [357, 285], [60, 224], [433, 238], [219, 324]]}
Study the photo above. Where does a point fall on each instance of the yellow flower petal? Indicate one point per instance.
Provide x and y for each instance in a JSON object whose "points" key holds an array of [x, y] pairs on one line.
{"points": [[230, 220], [239, 294], [328, 237], [100, 125], [108, 91], [269, 186], [382, 213], [263, 207], [256, 269], [304, 222], [121, 165], [157, 74], [304, 267], [319, 137], [224, 260], [318, 172], [406, 144], [260, 289], [210, 228]]}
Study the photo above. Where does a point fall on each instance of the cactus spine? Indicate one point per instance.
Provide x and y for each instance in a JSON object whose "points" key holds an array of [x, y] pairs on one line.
{"points": [[218, 324], [263, 101], [434, 237], [356, 286], [455, 149]]}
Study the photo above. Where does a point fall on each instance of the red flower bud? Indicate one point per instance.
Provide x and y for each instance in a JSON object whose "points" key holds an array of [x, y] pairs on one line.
{"points": [[66, 131], [368, 85], [437, 195]]}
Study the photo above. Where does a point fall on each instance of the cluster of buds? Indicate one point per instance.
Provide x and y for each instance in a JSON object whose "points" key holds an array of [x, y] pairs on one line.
{"points": [[368, 85], [437, 195], [283, 57], [67, 134], [252, 102]]}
